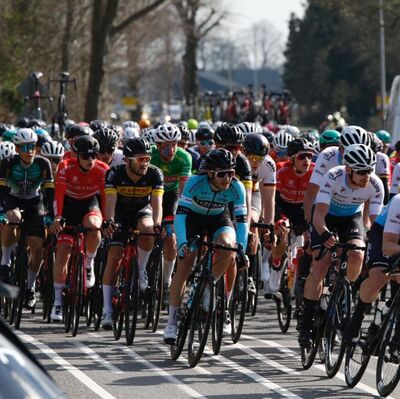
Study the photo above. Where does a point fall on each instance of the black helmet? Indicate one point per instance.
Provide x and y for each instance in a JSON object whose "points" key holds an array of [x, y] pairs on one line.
{"points": [[219, 159], [204, 133], [97, 124], [77, 130], [228, 133], [23, 122], [299, 145], [43, 138], [256, 144], [269, 136], [106, 137], [36, 123], [185, 134], [86, 145], [376, 143], [135, 146]]}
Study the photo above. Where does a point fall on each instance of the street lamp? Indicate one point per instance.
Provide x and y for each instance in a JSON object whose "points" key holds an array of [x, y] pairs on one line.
{"points": [[383, 63]]}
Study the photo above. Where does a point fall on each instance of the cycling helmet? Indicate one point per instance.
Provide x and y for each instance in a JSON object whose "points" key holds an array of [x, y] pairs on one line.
{"points": [[86, 145], [52, 149], [135, 146], [106, 137], [77, 130], [192, 124], [50, 127], [204, 133], [36, 123], [294, 131], [3, 128], [329, 137], [25, 135], [247, 127], [129, 133], [228, 133], [268, 135], [310, 135], [299, 145], [143, 123], [97, 124], [68, 122], [354, 135], [8, 135], [359, 157], [256, 144], [219, 159], [205, 124], [130, 124], [185, 133], [148, 134], [43, 138], [384, 136], [282, 139], [167, 132], [7, 150], [376, 143], [23, 122]]}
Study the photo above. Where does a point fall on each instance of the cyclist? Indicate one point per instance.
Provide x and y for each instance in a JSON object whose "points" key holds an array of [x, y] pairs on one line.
{"points": [[343, 193], [386, 139], [205, 143], [7, 150], [133, 200], [203, 206], [280, 143], [21, 178], [328, 138], [54, 152], [128, 133], [79, 182], [382, 168], [71, 134], [108, 152], [185, 135], [176, 165]]}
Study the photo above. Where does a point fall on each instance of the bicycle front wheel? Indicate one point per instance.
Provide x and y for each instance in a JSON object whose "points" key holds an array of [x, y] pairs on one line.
{"points": [[238, 305], [77, 295], [283, 302], [218, 316], [132, 304], [21, 274]]}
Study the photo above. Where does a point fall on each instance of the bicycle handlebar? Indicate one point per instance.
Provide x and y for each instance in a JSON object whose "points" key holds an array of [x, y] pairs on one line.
{"points": [[267, 226], [345, 246]]}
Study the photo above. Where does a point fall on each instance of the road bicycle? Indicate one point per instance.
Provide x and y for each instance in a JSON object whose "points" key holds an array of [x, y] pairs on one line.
{"points": [[35, 99]]}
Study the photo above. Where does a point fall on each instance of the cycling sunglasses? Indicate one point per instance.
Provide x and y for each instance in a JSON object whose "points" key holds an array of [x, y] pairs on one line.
{"points": [[141, 159], [255, 158], [86, 156], [107, 150], [221, 174], [233, 147], [364, 172], [206, 142], [304, 155], [56, 161], [27, 147]]}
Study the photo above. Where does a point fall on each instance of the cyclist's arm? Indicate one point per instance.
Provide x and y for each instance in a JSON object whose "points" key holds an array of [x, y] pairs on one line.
{"points": [[182, 182], [60, 189], [110, 191], [376, 198], [268, 201], [320, 212], [309, 197], [48, 186], [185, 171], [391, 230], [4, 188], [240, 213]]}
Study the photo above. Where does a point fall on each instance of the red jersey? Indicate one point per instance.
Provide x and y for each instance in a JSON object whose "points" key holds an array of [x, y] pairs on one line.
{"points": [[79, 185], [69, 155], [290, 185]]}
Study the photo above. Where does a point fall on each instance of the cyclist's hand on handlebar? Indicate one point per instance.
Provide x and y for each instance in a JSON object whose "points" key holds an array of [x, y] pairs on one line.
{"points": [[329, 239], [108, 227], [183, 250], [57, 226], [251, 239]]}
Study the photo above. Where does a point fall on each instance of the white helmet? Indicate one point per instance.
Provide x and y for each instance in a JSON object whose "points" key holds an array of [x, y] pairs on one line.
{"points": [[359, 157], [247, 127], [52, 149], [293, 130], [148, 134], [281, 140], [7, 149], [130, 124], [129, 133], [354, 135], [25, 136], [167, 132]]}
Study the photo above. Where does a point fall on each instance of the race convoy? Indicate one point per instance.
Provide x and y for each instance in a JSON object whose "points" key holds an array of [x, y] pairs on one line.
{"points": [[193, 230]]}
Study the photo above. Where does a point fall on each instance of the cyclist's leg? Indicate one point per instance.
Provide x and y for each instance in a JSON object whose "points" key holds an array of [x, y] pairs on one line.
{"points": [[145, 224]]}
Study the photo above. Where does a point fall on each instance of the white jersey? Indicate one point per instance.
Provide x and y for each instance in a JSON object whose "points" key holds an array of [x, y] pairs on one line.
{"points": [[382, 167], [265, 173], [392, 224], [118, 158], [394, 188], [344, 201], [326, 160]]}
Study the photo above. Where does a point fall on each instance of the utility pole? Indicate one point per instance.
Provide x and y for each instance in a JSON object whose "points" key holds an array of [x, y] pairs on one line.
{"points": [[383, 63]]}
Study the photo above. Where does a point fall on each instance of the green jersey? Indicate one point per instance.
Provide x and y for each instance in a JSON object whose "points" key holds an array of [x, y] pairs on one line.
{"points": [[180, 166]]}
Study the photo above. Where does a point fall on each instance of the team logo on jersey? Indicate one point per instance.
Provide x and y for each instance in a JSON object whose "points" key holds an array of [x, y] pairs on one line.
{"points": [[329, 155], [327, 185], [343, 190], [74, 179]]}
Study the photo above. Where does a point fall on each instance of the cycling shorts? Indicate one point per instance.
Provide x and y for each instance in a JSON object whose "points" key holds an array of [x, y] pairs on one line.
{"points": [[170, 204], [120, 238], [294, 212], [375, 257], [33, 213], [256, 202], [346, 227]]}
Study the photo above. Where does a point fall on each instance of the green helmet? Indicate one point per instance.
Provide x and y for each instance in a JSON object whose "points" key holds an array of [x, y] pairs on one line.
{"points": [[329, 137], [192, 124], [384, 136], [8, 135]]}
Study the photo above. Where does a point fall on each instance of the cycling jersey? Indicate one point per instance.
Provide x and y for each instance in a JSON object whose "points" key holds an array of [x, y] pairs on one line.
{"points": [[392, 224], [72, 182], [197, 157], [344, 201], [326, 160], [264, 174], [198, 197], [117, 159], [394, 188], [25, 182], [180, 166], [132, 196], [290, 185], [382, 168]]}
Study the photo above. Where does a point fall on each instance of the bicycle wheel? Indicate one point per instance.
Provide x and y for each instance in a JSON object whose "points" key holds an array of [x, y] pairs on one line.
{"points": [[77, 299], [47, 284], [388, 364], [132, 302], [283, 302], [119, 307], [203, 304], [153, 299], [183, 319], [237, 306], [338, 313], [252, 299], [218, 316], [21, 275]]}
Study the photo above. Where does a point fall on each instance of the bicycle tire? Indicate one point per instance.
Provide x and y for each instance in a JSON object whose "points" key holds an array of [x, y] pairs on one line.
{"points": [[118, 313], [284, 306], [384, 387], [339, 312], [238, 305], [200, 321], [218, 316], [132, 304], [47, 286], [77, 301], [21, 275], [183, 320], [252, 299]]}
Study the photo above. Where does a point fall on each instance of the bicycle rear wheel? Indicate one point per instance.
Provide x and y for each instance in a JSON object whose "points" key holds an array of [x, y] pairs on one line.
{"points": [[183, 320], [203, 304], [218, 316], [77, 299], [119, 311], [21, 275], [338, 314], [132, 302], [283, 302], [47, 284], [252, 299], [238, 305]]}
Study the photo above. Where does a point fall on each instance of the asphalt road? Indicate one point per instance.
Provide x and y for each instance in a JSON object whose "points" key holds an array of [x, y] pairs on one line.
{"points": [[264, 364]]}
